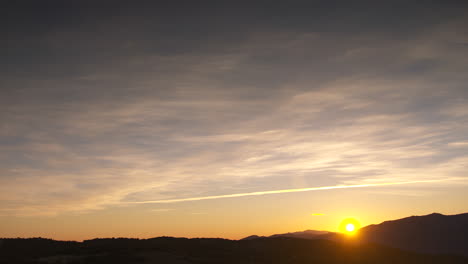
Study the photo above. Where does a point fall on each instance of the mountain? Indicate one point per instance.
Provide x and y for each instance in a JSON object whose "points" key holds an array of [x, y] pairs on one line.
{"points": [[434, 233], [407, 240], [307, 234], [252, 237], [275, 250]]}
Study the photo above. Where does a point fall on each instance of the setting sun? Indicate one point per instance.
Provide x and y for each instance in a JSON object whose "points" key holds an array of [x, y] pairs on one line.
{"points": [[349, 226]]}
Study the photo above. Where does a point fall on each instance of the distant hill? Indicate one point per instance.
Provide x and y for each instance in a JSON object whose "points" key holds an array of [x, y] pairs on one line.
{"points": [[434, 233], [276, 250], [307, 234], [403, 241]]}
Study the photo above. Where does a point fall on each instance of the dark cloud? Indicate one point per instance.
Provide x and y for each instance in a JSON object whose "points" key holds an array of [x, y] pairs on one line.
{"points": [[108, 99]]}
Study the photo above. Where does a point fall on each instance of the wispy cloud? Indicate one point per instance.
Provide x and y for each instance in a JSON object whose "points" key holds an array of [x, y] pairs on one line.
{"points": [[283, 191], [460, 144], [279, 107], [162, 210]]}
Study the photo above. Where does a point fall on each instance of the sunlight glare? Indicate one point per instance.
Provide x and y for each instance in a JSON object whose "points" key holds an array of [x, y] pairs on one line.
{"points": [[350, 227]]}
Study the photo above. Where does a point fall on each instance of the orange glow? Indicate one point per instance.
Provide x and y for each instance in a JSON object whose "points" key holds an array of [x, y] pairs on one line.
{"points": [[349, 226]]}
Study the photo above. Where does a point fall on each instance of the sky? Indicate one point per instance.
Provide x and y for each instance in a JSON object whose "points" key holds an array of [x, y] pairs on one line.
{"points": [[229, 118]]}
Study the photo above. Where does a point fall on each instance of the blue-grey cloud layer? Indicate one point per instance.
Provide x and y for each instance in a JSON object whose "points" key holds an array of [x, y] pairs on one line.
{"points": [[103, 104]]}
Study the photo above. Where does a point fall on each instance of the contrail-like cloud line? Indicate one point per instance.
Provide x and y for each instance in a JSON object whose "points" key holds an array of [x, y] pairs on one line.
{"points": [[281, 191]]}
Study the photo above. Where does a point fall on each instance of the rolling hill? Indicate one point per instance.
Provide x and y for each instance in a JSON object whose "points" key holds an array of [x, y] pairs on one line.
{"points": [[170, 250], [434, 233], [433, 238]]}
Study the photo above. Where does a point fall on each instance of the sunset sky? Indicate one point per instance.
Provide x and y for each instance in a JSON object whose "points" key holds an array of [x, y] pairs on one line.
{"points": [[225, 119]]}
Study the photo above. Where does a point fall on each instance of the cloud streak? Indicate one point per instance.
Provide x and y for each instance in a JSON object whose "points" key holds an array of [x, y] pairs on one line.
{"points": [[236, 195]]}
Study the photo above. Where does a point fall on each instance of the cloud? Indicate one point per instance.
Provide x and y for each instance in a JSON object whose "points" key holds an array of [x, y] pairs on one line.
{"points": [[281, 191], [279, 108], [162, 209], [459, 144]]}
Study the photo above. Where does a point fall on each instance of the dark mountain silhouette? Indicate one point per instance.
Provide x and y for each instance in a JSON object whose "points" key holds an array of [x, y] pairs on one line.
{"points": [[252, 237], [407, 240], [185, 251], [434, 233], [307, 234]]}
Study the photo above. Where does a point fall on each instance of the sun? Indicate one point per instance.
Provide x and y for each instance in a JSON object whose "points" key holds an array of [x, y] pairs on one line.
{"points": [[349, 226]]}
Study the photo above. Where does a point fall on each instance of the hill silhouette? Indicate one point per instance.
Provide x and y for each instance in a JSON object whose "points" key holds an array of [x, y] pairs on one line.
{"points": [[388, 242], [204, 250], [433, 233], [307, 234]]}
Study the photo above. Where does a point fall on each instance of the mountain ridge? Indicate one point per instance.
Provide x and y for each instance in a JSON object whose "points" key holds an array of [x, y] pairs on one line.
{"points": [[433, 233], [306, 234], [275, 250], [433, 238]]}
